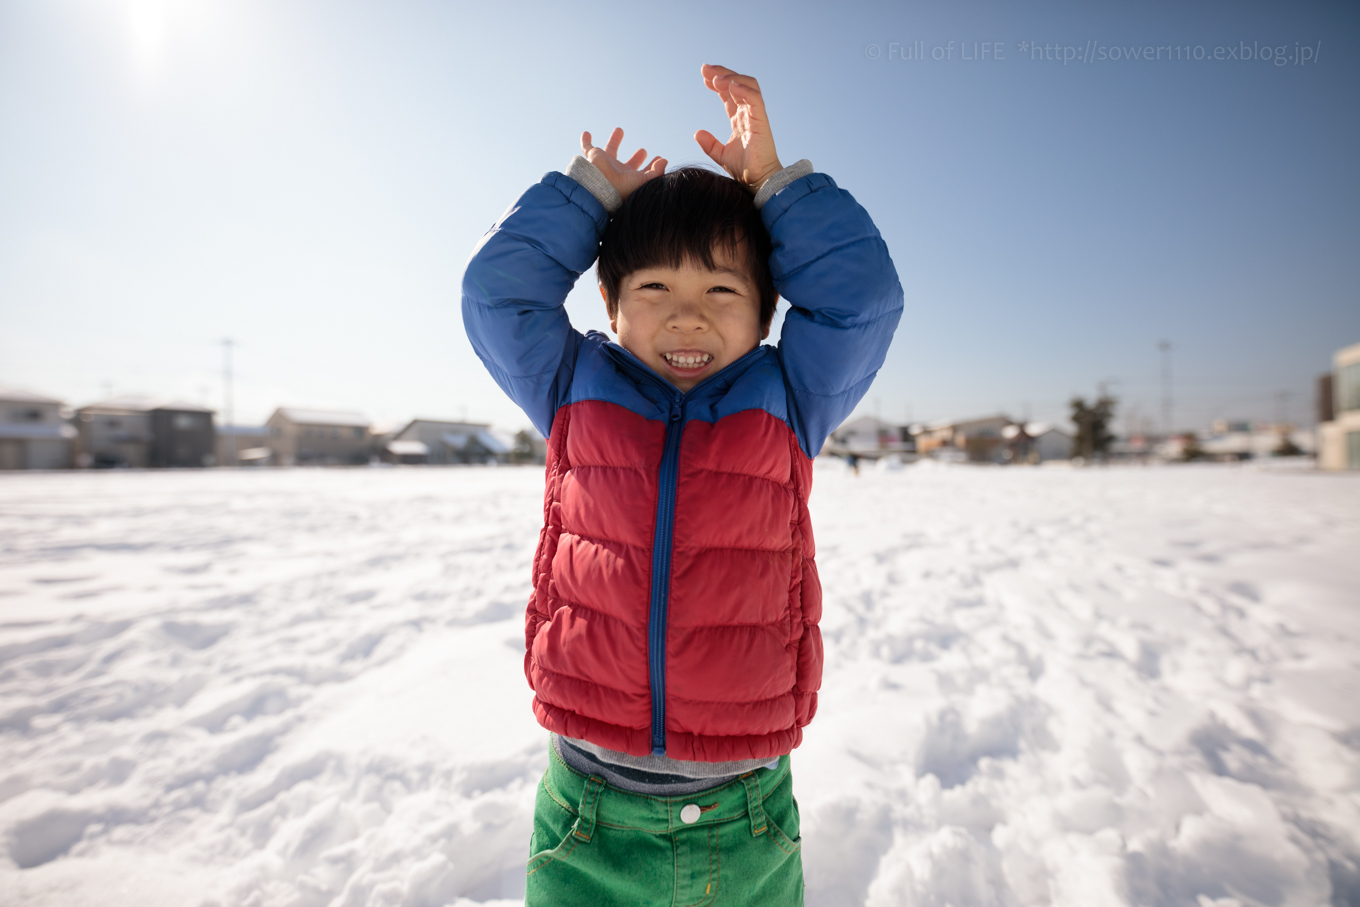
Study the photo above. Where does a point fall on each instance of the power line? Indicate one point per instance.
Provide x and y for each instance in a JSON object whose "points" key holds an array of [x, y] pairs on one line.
{"points": [[230, 426], [1165, 347]]}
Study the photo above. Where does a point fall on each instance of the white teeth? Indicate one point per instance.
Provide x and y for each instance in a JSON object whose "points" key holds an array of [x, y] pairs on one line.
{"points": [[689, 360]]}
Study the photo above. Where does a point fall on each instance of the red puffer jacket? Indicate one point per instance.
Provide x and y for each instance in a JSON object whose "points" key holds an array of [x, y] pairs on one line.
{"points": [[676, 600], [742, 654]]}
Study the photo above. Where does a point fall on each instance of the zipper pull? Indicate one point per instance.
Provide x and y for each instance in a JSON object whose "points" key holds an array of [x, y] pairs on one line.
{"points": [[675, 411]]}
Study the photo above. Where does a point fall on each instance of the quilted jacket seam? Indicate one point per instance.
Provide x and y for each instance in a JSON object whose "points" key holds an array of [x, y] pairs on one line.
{"points": [[594, 538], [786, 694], [593, 683], [785, 550], [787, 486], [643, 468], [594, 610], [691, 628]]}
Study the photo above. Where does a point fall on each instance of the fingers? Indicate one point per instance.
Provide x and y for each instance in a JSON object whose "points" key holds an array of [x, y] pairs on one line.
{"points": [[611, 151], [735, 89], [720, 78], [748, 96], [715, 78], [745, 88], [712, 147], [656, 168], [711, 73], [744, 91]]}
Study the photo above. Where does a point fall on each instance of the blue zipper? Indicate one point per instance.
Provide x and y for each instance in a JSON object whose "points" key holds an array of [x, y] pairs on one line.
{"points": [[661, 540], [661, 573]]}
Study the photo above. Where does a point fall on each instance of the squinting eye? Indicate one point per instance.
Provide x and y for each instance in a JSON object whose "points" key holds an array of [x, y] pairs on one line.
{"points": [[722, 290]]}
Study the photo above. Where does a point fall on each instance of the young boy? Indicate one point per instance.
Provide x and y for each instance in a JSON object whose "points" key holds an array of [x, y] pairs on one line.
{"points": [[672, 634]]}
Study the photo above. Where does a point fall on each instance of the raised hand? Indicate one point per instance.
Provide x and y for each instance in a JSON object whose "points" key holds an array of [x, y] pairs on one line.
{"points": [[749, 154], [624, 176]]}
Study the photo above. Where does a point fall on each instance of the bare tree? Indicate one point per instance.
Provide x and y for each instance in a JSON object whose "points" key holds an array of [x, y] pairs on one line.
{"points": [[1093, 422]]}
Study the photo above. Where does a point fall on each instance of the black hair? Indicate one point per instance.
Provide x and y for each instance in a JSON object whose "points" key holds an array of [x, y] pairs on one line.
{"points": [[683, 216]]}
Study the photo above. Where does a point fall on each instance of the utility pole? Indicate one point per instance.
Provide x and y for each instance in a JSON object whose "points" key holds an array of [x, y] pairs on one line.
{"points": [[230, 420], [1165, 347]]}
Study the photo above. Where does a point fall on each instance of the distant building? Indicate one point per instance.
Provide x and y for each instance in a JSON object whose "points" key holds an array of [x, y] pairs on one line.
{"points": [[530, 447], [1036, 442], [1339, 436], [314, 437], [407, 453], [978, 440], [444, 443], [141, 432], [1325, 406], [871, 438], [243, 445], [1242, 439], [34, 433]]}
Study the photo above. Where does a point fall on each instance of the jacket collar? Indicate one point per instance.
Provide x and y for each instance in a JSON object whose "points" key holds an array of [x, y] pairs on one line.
{"points": [[714, 385]]}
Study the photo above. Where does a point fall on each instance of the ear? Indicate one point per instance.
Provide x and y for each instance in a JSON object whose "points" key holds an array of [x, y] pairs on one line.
{"points": [[613, 319], [765, 328]]}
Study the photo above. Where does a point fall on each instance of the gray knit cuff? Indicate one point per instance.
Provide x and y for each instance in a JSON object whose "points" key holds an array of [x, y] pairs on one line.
{"points": [[771, 186], [594, 182]]}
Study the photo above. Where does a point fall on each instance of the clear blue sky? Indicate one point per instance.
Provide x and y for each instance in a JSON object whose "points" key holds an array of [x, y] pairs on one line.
{"points": [[309, 177]]}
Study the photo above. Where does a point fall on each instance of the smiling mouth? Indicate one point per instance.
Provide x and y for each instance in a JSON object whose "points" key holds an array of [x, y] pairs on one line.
{"points": [[687, 361]]}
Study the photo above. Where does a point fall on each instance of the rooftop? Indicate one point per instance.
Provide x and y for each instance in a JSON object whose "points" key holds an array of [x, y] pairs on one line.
{"points": [[141, 403], [321, 417], [15, 395]]}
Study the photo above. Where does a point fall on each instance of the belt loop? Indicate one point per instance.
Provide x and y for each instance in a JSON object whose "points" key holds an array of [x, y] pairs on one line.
{"points": [[590, 801], [753, 804]]}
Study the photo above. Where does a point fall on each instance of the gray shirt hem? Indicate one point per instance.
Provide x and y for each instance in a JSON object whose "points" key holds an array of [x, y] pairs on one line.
{"points": [[772, 186], [594, 182], [665, 765]]}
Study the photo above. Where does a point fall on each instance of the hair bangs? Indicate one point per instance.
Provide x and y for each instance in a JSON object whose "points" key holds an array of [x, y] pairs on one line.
{"points": [[686, 216]]}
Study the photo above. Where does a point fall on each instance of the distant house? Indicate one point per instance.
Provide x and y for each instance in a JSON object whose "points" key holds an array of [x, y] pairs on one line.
{"points": [[243, 445], [977, 440], [409, 453], [33, 431], [314, 437], [1339, 436], [444, 443], [1245, 440], [1036, 442], [530, 447], [870, 437], [142, 432]]}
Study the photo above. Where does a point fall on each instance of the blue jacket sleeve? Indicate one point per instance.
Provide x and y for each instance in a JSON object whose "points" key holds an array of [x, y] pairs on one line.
{"points": [[516, 284], [832, 266]]}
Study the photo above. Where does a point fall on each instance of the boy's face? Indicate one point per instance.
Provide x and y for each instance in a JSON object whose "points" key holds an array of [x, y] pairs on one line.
{"points": [[689, 322]]}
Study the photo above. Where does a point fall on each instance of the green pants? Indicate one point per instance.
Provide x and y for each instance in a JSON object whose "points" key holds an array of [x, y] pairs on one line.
{"points": [[597, 846]]}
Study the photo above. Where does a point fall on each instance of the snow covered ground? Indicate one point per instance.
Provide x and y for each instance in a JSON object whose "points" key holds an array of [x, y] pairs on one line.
{"points": [[1043, 686]]}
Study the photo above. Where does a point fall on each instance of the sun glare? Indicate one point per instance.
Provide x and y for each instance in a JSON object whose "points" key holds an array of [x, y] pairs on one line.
{"points": [[146, 30]]}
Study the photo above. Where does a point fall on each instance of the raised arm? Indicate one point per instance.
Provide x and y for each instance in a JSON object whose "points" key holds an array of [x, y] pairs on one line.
{"points": [[832, 266], [520, 274], [828, 261]]}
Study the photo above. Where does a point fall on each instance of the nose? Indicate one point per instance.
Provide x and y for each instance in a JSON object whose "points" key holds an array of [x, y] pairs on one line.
{"points": [[687, 317]]}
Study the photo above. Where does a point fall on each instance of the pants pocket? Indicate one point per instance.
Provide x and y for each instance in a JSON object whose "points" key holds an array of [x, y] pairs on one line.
{"points": [[553, 825], [781, 814], [789, 844]]}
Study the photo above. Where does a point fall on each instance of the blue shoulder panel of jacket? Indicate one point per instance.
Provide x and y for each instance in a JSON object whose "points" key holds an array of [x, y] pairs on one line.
{"points": [[607, 372]]}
